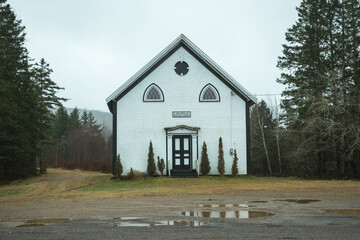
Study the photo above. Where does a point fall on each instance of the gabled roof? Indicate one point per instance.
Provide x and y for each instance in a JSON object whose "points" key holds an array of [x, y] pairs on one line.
{"points": [[196, 52]]}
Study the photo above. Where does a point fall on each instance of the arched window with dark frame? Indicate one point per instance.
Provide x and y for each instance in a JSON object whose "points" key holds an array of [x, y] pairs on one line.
{"points": [[153, 93], [209, 94]]}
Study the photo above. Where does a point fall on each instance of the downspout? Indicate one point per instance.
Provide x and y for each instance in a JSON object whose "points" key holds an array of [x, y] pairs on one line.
{"points": [[114, 113]]}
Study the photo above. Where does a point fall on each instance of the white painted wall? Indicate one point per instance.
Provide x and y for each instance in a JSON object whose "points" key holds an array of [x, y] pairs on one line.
{"points": [[139, 122]]}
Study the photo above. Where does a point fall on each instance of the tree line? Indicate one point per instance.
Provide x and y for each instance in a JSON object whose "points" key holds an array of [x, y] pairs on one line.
{"points": [[78, 142], [31, 135], [316, 133]]}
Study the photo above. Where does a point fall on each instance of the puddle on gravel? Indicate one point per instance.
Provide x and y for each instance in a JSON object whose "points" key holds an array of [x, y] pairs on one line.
{"points": [[258, 201], [31, 225], [353, 212], [47, 220], [224, 205], [127, 218], [299, 201], [42, 221], [227, 214], [159, 223]]}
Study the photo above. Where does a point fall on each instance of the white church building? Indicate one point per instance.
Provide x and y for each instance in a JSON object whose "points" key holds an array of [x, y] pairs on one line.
{"points": [[179, 100]]}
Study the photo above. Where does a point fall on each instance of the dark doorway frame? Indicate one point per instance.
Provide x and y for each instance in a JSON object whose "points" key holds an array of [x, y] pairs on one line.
{"points": [[182, 153]]}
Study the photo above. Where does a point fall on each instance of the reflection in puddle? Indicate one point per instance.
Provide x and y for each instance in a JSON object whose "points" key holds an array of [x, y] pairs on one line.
{"points": [[159, 223], [31, 225], [42, 221], [47, 220], [224, 205], [355, 212], [126, 218], [226, 214], [299, 201]]}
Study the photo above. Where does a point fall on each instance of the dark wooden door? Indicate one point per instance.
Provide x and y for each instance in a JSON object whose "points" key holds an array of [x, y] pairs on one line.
{"points": [[181, 152]]}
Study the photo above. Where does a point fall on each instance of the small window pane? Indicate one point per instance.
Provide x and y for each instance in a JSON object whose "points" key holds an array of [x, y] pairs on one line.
{"points": [[209, 94], [177, 144], [186, 161], [153, 94], [186, 144], [177, 161]]}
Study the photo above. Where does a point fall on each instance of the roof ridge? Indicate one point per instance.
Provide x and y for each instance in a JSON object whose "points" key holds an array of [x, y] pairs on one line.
{"points": [[195, 49]]}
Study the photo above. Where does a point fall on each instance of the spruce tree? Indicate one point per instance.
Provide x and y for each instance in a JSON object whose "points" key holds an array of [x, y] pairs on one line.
{"points": [[85, 120], [74, 119], [151, 168], [221, 162], [118, 169], [234, 168], [205, 164], [93, 126], [61, 123], [16, 89]]}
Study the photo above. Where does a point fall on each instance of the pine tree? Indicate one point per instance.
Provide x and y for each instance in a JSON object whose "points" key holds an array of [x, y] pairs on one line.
{"points": [[151, 168], [160, 165], [118, 169], [234, 168], [46, 91], [205, 164], [221, 162]]}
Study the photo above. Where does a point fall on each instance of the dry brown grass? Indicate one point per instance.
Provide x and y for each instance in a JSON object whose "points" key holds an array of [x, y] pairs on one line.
{"points": [[61, 184]]}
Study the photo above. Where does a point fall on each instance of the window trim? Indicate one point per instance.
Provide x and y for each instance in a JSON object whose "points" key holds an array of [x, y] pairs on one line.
{"points": [[209, 85], [153, 100]]}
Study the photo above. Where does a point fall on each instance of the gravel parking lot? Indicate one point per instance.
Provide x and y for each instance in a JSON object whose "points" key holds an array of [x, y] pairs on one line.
{"points": [[247, 214]]}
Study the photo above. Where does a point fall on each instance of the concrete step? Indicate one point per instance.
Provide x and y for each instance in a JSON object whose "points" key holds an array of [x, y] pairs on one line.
{"points": [[184, 173]]}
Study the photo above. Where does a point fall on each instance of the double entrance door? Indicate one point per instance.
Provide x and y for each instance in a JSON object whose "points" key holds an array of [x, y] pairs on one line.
{"points": [[181, 152]]}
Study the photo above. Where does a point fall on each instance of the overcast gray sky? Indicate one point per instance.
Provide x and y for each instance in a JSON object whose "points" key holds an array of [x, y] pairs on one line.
{"points": [[94, 46]]}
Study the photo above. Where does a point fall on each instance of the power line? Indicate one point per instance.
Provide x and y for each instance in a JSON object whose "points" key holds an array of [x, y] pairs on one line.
{"points": [[269, 94]]}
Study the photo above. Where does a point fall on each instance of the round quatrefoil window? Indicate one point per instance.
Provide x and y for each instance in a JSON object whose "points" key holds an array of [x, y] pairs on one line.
{"points": [[181, 68]]}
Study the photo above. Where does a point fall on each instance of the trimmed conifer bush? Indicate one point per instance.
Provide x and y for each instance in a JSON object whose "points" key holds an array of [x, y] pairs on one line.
{"points": [[221, 162], [151, 168], [118, 169], [205, 164], [131, 174], [160, 165], [234, 169]]}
